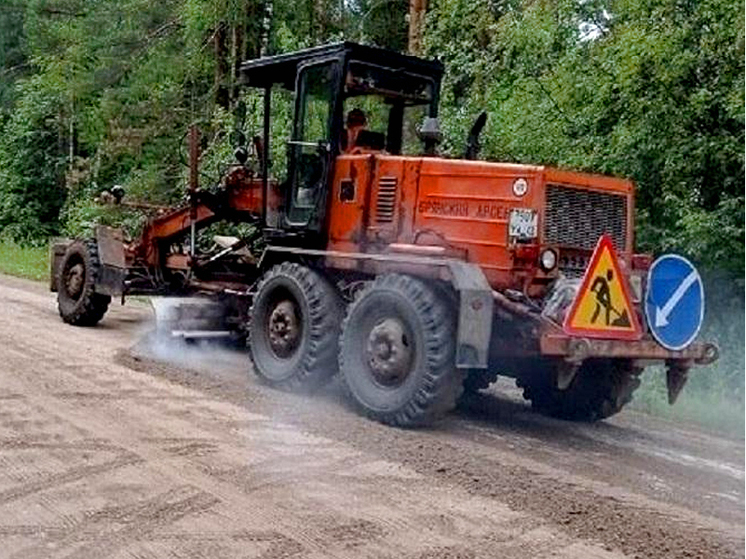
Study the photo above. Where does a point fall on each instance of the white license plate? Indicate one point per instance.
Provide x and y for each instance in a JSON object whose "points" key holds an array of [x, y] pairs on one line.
{"points": [[523, 224]]}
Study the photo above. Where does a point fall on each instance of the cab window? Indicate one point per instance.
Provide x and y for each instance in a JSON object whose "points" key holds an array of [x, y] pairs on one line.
{"points": [[309, 146], [393, 103]]}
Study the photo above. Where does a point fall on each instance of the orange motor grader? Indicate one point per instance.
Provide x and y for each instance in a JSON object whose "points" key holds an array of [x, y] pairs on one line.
{"points": [[414, 276]]}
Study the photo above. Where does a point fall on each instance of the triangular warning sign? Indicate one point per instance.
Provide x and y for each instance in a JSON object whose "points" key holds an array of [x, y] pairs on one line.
{"points": [[602, 307]]}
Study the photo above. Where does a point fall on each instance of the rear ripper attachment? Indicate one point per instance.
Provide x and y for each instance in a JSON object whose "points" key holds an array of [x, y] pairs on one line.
{"points": [[413, 276]]}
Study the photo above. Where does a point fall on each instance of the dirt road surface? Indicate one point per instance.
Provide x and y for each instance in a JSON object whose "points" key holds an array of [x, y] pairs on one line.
{"points": [[106, 451]]}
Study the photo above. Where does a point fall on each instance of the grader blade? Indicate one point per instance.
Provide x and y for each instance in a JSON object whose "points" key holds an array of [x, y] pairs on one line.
{"points": [[190, 318]]}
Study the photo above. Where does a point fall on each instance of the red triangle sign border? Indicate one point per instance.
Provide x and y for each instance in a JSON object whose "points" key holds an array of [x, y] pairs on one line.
{"points": [[636, 332]]}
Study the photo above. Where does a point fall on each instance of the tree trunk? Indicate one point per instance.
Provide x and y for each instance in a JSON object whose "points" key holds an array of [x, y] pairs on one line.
{"points": [[311, 14], [417, 9], [222, 66], [256, 21], [237, 57], [323, 17], [266, 42]]}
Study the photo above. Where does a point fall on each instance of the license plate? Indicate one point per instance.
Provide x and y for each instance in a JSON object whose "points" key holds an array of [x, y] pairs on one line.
{"points": [[523, 224]]}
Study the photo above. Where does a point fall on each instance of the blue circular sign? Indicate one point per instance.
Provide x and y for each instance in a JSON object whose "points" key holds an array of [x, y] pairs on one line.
{"points": [[674, 301]]}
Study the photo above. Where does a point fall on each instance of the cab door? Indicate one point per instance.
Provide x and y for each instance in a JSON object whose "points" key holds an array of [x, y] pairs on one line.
{"points": [[312, 144]]}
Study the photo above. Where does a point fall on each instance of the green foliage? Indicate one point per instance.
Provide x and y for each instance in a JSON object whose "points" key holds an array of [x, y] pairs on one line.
{"points": [[652, 91], [648, 90], [13, 55], [24, 261], [379, 22], [31, 163]]}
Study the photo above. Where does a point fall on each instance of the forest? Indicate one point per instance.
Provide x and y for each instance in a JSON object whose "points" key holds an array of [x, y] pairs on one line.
{"points": [[97, 93]]}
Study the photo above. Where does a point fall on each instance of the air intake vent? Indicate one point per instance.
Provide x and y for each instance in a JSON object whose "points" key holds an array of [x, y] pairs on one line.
{"points": [[386, 202], [577, 218]]}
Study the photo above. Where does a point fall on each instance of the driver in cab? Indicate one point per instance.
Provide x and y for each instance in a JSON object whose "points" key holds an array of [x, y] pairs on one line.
{"points": [[356, 121]]}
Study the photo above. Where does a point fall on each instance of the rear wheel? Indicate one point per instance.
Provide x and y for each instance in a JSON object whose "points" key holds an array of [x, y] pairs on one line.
{"points": [[77, 301], [294, 328], [600, 389], [397, 352]]}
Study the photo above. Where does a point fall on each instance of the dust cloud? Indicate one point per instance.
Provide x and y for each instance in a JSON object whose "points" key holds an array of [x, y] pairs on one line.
{"points": [[714, 394], [156, 341]]}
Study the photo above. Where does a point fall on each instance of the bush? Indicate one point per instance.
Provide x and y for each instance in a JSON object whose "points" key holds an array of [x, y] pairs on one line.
{"points": [[32, 163]]}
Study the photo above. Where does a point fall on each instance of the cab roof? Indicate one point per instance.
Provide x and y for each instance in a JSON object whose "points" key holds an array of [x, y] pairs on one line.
{"points": [[282, 69]]}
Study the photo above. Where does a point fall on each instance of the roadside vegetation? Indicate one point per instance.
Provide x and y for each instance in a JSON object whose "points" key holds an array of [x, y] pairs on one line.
{"points": [[714, 410], [30, 262], [94, 94]]}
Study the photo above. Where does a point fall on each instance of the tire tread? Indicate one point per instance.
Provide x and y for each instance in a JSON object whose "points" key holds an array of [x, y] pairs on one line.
{"points": [[93, 306], [442, 384], [601, 388], [319, 363]]}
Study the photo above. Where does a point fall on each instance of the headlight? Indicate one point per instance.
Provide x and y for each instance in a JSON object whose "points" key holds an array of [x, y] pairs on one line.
{"points": [[548, 260]]}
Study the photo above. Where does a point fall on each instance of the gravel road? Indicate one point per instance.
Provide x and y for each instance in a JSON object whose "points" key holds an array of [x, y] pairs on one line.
{"points": [[113, 447]]}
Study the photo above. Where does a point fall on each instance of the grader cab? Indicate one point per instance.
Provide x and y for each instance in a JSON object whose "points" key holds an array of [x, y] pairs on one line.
{"points": [[414, 276]]}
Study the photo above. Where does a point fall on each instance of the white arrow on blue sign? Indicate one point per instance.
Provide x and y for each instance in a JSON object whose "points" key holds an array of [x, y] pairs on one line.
{"points": [[674, 301]]}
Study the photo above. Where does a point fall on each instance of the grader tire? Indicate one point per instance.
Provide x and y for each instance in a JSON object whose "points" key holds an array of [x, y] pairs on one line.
{"points": [[397, 352], [294, 328], [77, 301], [600, 389]]}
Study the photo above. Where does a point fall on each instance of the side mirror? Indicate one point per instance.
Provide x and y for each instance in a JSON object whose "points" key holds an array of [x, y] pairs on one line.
{"points": [[324, 147], [238, 138], [430, 134]]}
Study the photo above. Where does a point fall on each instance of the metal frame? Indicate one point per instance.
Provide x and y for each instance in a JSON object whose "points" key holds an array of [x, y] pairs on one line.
{"points": [[333, 123], [285, 70]]}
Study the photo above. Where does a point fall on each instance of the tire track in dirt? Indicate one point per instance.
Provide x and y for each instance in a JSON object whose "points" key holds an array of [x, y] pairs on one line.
{"points": [[17, 443], [114, 527], [636, 525], [69, 476], [308, 537], [329, 483]]}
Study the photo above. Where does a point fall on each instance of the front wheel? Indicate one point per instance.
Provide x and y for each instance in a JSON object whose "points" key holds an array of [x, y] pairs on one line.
{"points": [[77, 301], [600, 388], [397, 352]]}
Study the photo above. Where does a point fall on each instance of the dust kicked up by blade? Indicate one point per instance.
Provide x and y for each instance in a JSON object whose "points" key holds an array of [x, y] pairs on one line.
{"points": [[189, 318]]}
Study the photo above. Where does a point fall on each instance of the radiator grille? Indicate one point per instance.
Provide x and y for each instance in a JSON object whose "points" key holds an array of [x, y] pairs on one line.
{"points": [[577, 218], [386, 201]]}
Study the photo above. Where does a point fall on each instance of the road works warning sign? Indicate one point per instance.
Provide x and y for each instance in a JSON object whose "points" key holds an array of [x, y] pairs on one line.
{"points": [[602, 308]]}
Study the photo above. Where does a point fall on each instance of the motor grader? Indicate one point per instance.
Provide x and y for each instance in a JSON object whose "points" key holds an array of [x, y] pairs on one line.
{"points": [[412, 275]]}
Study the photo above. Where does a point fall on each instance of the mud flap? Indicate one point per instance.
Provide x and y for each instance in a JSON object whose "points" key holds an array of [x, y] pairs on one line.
{"points": [[475, 315], [676, 377], [56, 254], [111, 276]]}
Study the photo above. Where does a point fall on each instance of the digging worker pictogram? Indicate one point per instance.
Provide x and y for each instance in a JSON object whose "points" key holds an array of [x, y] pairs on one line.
{"points": [[602, 307], [601, 288]]}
